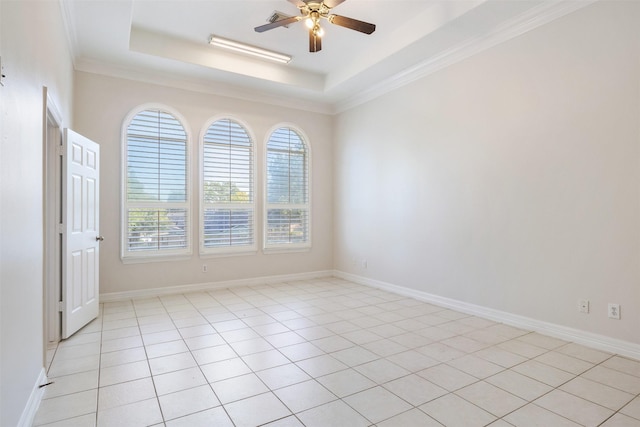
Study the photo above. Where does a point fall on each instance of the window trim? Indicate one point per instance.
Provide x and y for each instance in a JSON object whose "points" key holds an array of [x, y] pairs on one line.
{"points": [[226, 251], [290, 247], [168, 255]]}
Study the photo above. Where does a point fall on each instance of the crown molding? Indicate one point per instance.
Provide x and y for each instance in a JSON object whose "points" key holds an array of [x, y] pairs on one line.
{"points": [[68, 19], [533, 18], [208, 87]]}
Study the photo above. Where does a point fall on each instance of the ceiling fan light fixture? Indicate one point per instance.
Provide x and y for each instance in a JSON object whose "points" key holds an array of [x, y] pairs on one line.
{"points": [[248, 49]]}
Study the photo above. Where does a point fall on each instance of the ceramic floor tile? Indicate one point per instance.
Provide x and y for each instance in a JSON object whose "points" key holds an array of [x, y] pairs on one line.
{"points": [[214, 354], [597, 393], [633, 408], [543, 341], [238, 388], [447, 377], [584, 353], [624, 365], [522, 348], [535, 416], [251, 346], [88, 420], [332, 343], [519, 385], [360, 356], [380, 371], [377, 404], [211, 417], [122, 357], [453, 411], [415, 389], [265, 360], [564, 362], [501, 357], [166, 349], [66, 406], [144, 413], [440, 352], [222, 370], [79, 350], [301, 351], [544, 373], [187, 402], [621, 420], [384, 347], [613, 378], [174, 362], [122, 373], [346, 382], [491, 398], [321, 365], [178, 380], [160, 337], [302, 396], [125, 393], [476, 366], [70, 384], [412, 360], [336, 413], [574, 408], [257, 410], [282, 376], [354, 356], [60, 367], [414, 417]]}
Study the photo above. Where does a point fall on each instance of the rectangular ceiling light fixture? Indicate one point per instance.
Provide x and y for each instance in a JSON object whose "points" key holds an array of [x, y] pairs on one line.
{"points": [[249, 50]]}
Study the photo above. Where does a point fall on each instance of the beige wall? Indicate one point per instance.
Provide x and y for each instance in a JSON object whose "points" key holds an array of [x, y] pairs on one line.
{"points": [[34, 54], [102, 104], [510, 180]]}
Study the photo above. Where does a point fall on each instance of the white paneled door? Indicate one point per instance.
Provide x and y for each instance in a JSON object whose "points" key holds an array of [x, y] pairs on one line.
{"points": [[80, 232]]}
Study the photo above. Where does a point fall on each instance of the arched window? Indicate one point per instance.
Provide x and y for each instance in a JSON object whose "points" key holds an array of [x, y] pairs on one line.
{"points": [[287, 207], [156, 196], [227, 206]]}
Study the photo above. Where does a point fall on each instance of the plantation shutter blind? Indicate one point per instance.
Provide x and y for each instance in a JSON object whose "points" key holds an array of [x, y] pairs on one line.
{"points": [[157, 198], [287, 190], [228, 199]]}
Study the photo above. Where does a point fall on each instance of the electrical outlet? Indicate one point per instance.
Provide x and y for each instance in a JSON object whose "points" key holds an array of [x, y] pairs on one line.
{"points": [[583, 305], [614, 311], [204, 268]]}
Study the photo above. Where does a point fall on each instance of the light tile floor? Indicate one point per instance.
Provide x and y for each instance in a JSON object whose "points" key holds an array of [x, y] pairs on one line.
{"points": [[325, 353]]}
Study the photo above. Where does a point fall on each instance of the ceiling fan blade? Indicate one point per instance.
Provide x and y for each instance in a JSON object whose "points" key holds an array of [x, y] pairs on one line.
{"points": [[315, 42], [277, 24], [298, 3], [353, 24], [332, 3]]}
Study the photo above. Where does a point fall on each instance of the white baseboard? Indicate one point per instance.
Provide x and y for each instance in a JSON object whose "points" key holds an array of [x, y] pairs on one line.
{"points": [[29, 412], [169, 290], [597, 341]]}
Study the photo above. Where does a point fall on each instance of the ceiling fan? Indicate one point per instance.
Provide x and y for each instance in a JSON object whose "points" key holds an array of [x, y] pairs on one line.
{"points": [[311, 12]]}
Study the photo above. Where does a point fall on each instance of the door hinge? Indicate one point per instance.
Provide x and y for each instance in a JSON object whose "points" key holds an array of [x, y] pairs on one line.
{"points": [[60, 306], [60, 228], [60, 150]]}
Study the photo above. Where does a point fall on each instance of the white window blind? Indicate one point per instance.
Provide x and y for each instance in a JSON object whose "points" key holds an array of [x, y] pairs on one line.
{"points": [[156, 203], [287, 207], [227, 215]]}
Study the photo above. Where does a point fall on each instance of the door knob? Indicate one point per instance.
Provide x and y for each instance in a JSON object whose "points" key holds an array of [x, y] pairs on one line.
{"points": [[99, 238]]}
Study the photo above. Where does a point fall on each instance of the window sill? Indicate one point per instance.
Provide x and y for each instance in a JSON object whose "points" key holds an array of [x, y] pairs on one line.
{"points": [[151, 258]]}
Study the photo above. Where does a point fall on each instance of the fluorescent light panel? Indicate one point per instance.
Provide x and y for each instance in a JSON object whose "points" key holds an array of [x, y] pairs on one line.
{"points": [[249, 50]]}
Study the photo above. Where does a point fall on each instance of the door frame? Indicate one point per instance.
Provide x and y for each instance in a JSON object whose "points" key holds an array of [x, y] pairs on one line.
{"points": [[52, 204]]}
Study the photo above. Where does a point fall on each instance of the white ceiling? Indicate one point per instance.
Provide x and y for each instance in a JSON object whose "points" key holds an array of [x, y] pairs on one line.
{"points": [[166, 41]]}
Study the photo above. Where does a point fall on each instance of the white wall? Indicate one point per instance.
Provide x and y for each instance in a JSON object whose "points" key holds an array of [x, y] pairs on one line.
{"points": [[101, 105], [510, 180], [34, 54]]}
